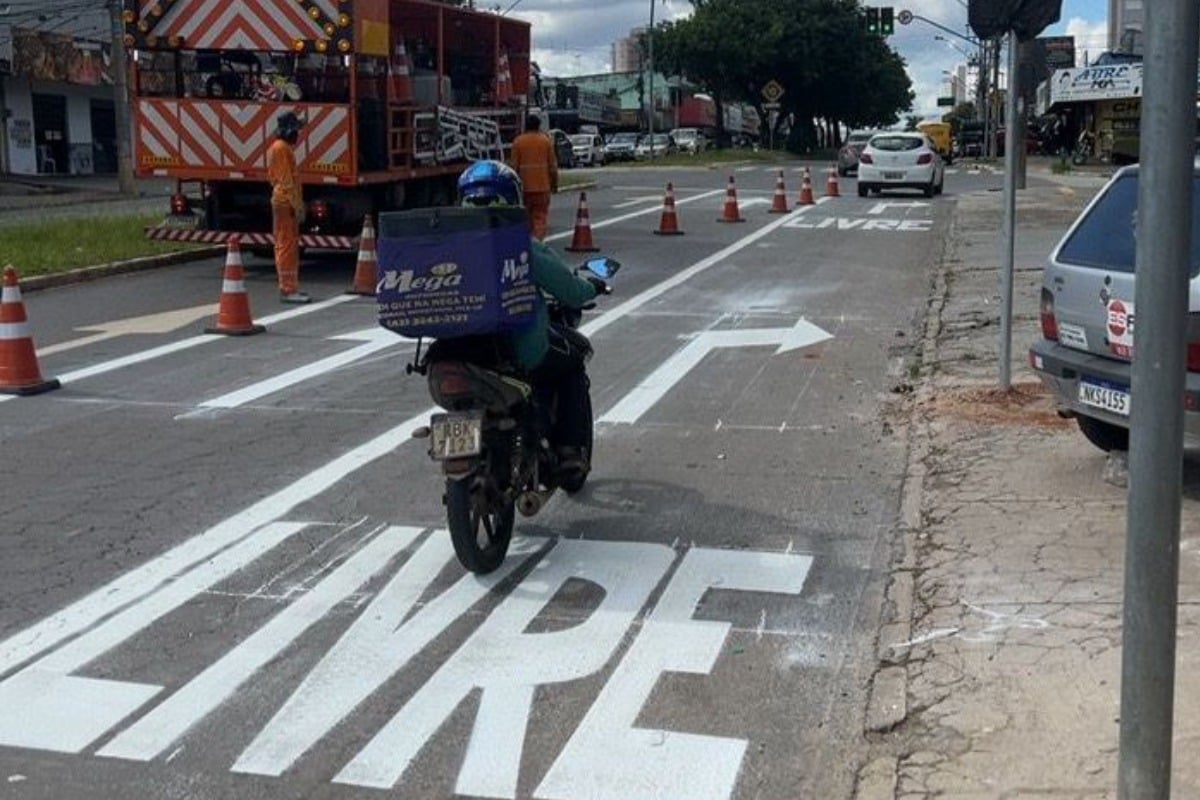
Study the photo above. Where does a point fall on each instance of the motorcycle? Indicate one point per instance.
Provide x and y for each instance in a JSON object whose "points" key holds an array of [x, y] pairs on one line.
{"points": [[493, 440]]}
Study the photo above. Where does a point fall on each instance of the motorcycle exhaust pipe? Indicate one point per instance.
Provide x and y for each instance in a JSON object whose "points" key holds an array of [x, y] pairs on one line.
{"points": [[530, 503]]}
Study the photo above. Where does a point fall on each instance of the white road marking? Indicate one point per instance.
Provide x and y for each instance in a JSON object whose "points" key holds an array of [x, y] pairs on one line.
{"points": [[654, 387], [184, 344], [638, 201], [651, 210], [882, 207], [860, 223], [608, 755], [375, 339], [162, 322]]}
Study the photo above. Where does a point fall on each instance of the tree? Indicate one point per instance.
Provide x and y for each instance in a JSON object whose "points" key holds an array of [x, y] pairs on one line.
{"points": [[816, 49], [911, 121]]}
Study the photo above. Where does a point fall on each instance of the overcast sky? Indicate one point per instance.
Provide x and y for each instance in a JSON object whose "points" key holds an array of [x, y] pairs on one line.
{"points": [[574, 37]]}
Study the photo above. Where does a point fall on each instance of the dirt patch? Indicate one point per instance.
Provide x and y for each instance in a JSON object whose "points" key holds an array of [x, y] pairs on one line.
{"points": [[1023, 404]]}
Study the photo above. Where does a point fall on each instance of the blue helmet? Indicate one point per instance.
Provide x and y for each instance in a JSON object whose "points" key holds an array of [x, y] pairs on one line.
{"points": [[487, 182]]}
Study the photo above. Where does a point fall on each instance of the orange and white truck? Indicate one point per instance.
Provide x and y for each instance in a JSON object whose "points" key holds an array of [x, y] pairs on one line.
{"points": [[397, 96]]}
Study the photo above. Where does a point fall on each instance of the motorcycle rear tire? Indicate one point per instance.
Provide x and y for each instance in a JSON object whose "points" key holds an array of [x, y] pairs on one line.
{"points": [[466, 525]]}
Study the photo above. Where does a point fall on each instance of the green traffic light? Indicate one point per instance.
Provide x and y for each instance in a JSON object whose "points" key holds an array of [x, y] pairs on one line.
{"points": [[887, 25], [872, 20]]}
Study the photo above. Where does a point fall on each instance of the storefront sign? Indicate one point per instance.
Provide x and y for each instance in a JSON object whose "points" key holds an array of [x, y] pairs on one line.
{"points": [[1110, 82], [62, 59]]}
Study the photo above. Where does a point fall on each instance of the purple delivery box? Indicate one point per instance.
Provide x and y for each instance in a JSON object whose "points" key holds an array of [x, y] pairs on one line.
{"points": [[447, 272]]}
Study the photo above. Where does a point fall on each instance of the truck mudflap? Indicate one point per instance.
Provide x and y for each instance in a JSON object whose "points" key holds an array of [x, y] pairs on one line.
{"points": [[312, 241]]}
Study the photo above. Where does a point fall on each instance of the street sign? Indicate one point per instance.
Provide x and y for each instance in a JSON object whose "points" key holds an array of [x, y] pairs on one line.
{"points": [[772, 91], [904, 17], [945, 101]]}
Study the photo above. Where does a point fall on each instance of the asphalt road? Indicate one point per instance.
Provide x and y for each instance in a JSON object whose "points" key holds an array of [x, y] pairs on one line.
{"points": [[222, 572]]}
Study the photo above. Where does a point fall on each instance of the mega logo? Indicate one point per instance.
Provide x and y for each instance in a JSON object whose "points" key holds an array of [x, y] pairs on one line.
{"points": [[515, 269], [441, 276]]}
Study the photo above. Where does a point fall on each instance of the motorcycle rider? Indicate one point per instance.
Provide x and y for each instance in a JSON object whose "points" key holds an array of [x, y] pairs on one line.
{"points": [[546, 352]]}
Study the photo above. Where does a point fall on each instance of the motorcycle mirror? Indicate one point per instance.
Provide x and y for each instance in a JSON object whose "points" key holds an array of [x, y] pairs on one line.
{"points": [[603, 268]]}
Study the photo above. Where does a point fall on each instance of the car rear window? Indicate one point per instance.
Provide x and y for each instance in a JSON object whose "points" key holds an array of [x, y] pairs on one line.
{"points": [[896, 143], [1106, 238]]}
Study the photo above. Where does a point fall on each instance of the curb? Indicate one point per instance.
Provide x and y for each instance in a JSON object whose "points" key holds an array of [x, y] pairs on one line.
{"points": [[38, 282]]}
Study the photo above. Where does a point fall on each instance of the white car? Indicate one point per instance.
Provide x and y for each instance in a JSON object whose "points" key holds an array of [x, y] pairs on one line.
{"points": [[901, 160], [688, 140], [588, 148], [664, 145]]}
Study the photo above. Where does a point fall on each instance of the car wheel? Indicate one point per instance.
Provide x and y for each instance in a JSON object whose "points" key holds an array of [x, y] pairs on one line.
{"points": [[941, 186], [862, 190], [1104, 435], [930, 189], [843, 172]]}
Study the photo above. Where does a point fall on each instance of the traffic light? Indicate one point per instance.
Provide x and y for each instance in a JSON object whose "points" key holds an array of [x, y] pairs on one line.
{"points": [[887, 25], [872, 21]]}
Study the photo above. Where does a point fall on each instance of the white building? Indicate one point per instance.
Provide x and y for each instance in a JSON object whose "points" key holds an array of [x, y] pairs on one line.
{"points": [[626, 55], [1126, 22]]}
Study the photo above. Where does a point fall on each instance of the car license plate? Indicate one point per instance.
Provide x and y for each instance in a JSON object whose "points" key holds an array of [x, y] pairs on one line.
{"points": [[1107, 397], [455, 435], [893, 176]]}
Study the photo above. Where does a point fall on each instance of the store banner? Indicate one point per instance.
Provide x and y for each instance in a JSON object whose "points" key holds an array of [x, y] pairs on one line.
{"points": [[1109, 82]]}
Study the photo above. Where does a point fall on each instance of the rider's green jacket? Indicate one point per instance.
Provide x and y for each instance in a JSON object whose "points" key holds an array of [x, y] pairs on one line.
{"points": [[552, 275]]}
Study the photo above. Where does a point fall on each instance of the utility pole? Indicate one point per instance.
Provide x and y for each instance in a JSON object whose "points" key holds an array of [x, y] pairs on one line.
{"points": [[120, 69], [650, 64]]}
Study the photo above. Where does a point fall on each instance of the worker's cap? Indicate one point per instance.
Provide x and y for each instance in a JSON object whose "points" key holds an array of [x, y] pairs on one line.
{"points": [[288, 121]]}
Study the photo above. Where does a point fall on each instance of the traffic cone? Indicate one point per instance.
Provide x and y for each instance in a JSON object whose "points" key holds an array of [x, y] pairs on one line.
{"points": [[400, 86], [779, 203], [669, 224], [731, 213], [581, 239], [366, 272], [806, 190], [831, 184], [233, 315], [19, 372]]}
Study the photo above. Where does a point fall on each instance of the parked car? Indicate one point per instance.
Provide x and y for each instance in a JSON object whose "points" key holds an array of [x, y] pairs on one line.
{"points": [[564, 151], [663, 145], [620, 147], [1087, 317], [900, 161], [848, 154], [588, 149], [689, 140]]}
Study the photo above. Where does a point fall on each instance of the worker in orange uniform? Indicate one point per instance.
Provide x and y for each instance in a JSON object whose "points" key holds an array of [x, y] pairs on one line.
{"points": [[287, 206], [533, 159]]}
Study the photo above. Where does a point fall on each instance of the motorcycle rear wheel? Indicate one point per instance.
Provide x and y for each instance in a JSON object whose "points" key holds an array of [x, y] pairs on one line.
{"points": [[480, 529]]}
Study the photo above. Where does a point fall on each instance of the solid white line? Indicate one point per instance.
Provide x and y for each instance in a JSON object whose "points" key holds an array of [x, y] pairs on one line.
{"points": [[299, 375], [637, 201]]}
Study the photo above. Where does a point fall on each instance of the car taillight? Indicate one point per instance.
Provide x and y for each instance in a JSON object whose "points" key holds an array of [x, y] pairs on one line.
{"points": [[1046, 313], [925, 158], [1193, 357], [180, 204], [865, 158], [318, 210]]}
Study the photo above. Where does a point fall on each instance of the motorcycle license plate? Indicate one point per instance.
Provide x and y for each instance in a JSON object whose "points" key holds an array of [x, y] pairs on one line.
{"points": [[455, 435]]}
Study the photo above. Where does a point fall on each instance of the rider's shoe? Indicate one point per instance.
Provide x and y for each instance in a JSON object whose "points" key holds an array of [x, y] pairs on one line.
{"points": [[572, 460]]}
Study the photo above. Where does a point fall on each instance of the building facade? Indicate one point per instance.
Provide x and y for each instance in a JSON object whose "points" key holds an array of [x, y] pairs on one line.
{"points": [[626, 54], [1126, 22]]}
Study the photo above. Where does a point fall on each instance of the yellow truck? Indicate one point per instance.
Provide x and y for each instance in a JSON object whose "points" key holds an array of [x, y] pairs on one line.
{"points": [[941, 134]]}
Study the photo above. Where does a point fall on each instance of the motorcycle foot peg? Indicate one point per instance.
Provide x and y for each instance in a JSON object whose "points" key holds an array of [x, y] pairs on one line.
{"points": [[422, 432], [529, 503]]}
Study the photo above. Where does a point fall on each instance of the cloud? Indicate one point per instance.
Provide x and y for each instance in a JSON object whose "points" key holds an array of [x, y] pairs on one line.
{"points": [[1091, 38]]}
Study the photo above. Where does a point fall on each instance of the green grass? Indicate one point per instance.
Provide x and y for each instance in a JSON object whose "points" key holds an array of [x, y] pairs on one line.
{"points": [[59, 245]]}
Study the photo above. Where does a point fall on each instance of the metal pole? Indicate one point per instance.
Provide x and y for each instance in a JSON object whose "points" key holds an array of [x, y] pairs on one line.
{"points": [[650, 61], [120, 76], [1009, 231], [1156, 422]]}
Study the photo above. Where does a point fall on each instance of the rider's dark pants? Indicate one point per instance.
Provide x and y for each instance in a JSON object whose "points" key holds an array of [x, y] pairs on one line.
{"points": [[562, 372]]}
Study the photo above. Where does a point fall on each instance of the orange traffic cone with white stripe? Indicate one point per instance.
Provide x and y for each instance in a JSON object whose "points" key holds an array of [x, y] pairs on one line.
{"points": [[806, 190], [233, 315], [19, 371], [731, 212], [366, 271], [400, 85], [669, 224], [831, 184], [581, 239], [779, 202]]}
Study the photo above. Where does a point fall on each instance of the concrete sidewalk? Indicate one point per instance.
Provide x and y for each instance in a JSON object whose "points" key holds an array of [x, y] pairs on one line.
{"points": [[1000, 654]]}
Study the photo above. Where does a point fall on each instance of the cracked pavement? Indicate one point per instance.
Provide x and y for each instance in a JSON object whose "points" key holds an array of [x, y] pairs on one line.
{"points": [[1009, 640]]}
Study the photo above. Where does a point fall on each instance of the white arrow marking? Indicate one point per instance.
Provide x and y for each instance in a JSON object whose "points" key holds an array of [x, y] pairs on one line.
{"points": [[162, 322], [659, 382], [880, 208], [375, 339]]}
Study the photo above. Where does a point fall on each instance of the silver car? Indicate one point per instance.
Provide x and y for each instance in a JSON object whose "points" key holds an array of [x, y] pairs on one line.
{"points": [[1087, 317]]}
